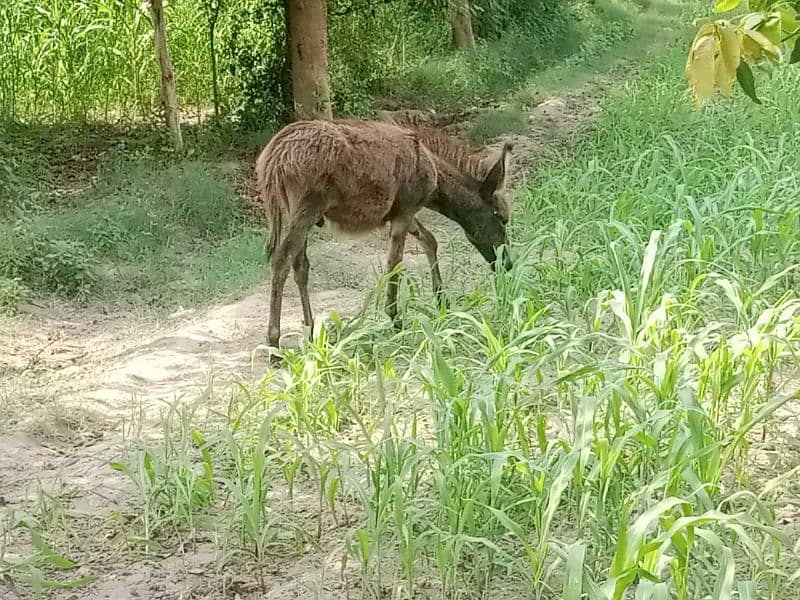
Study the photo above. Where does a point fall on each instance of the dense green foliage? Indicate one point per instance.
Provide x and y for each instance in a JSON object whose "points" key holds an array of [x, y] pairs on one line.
{"points": [[79, 60]]}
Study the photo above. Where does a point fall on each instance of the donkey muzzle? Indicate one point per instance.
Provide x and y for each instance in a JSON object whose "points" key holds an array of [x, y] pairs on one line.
{"points": [[505, 263]]}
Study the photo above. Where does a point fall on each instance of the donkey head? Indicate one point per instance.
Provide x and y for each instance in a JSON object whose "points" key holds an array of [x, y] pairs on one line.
{"points": [[479, 205]]}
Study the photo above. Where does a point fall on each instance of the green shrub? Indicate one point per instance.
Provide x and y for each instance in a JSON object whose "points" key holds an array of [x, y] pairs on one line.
{"points": [[546, 19], [39, 262], [448, 81], [67, 267], [143, 233], [12, 293], [203, 200], [21, 178]]}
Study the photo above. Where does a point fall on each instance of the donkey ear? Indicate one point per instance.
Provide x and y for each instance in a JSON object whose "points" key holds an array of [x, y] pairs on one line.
{"points": [[496, 176]]}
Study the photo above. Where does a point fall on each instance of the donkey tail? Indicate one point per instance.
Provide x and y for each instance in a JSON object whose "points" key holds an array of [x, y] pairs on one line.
{"points": [[267, 185]]}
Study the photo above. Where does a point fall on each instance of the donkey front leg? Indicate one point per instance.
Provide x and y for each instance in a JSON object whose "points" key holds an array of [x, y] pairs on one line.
{"points": [[397, 242], [430, 247], [294, 242]]}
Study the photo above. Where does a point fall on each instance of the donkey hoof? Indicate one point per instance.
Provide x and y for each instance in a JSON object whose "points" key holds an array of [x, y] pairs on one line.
{"points": [[274, 356]]}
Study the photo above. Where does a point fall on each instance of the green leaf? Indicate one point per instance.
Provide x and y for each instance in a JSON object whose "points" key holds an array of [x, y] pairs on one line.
{"points": [[648, 262], [744, 75], [364, 546], [148, 467], [198, 438], [723, 586], [647, 590], [541, 431], [122, 468], [58, 561], [573, 572], [726, 5], [444, 373], [332, 489], [498, 464], [510, 525], [771, 29], [795, 56], [747, 590]]}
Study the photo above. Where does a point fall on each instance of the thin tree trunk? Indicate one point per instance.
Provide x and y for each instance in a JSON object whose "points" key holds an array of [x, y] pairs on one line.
{"points": [[214, 83], [169, 94], [212, 10], [308, 39], [461, 22]]}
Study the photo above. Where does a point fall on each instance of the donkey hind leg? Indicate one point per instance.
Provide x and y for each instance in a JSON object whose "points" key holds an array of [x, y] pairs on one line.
{"points": [[397, 240], [293, 243], [430, 247], [300, 270]]}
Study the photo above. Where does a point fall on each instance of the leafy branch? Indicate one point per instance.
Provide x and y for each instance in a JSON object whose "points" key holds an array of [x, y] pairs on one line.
{"points": [[725, 49]]}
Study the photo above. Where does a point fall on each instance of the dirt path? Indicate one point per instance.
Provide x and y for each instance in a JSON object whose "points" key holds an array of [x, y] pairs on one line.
{"points": [[73, 380]]}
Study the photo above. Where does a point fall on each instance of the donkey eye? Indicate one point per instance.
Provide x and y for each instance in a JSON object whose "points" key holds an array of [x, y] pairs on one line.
{"points": [[500, 217]]}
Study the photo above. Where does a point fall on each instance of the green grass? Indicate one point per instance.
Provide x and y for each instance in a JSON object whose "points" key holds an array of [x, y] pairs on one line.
{"points": [[714, 188], [150, 229], [585, 426], [498, 67], [612, 37], [653, 26], [491, 125]]}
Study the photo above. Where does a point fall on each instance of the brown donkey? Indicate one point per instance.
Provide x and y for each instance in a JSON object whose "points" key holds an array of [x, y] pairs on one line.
{"points": [[360, 175]]}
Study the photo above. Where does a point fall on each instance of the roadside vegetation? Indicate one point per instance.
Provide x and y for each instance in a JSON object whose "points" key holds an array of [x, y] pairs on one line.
{"points": [[614, 418]]}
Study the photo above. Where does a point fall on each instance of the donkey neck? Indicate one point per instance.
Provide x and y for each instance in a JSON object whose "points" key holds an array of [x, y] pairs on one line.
{"points": [[450, 199]]}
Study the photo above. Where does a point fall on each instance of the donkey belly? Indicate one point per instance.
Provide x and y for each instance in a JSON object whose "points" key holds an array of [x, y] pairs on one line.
{"points": [[359, 212], [344, 225]]}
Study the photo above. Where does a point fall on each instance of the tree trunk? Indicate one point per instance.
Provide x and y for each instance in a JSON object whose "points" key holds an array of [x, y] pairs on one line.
{"points": [[169, 94], [308, 40], [212, 49], [212, 13], [461, 21]]}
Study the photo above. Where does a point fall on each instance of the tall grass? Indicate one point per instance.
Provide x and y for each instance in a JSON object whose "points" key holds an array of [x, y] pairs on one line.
{"points": [[723, 195], [68, 60], [586, 427]]}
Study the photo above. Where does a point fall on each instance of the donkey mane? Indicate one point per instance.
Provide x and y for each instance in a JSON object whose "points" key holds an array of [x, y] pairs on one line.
{"points": [[458, 154]]}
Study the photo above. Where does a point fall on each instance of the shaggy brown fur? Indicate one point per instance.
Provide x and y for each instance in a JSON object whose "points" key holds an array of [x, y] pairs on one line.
{"points": [[407, 118], [360, 175]]}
